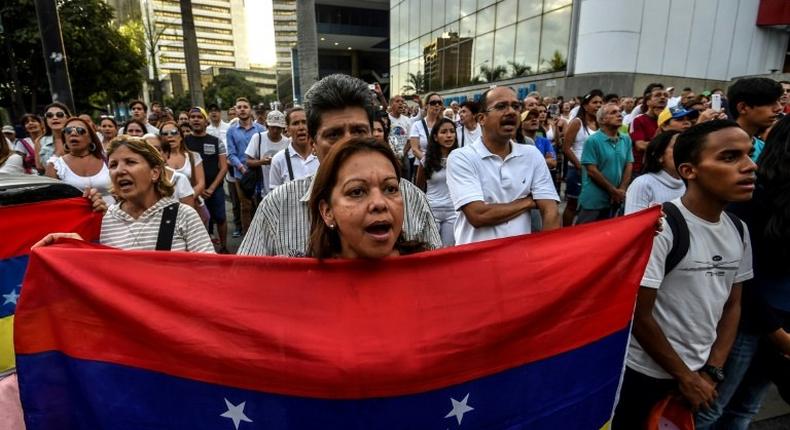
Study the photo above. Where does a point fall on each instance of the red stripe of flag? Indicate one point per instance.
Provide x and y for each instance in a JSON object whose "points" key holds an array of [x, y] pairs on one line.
{"points": [[334, 329]]}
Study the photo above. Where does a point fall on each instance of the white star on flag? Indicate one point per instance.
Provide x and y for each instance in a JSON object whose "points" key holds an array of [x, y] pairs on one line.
{"points": [[11, 297], [236, 413], [459, 409]]}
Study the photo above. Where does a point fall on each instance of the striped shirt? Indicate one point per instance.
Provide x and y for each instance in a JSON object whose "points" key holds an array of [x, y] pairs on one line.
{"points": [[282, 223], [120, 230]]}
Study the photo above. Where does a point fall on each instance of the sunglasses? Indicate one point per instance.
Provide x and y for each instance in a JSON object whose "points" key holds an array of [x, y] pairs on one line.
{"points": [[170, 133], [435, 102], [80, 130], [59, 114]]}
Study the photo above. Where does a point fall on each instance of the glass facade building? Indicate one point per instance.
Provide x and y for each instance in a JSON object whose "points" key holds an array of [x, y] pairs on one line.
{"points": [[439, 45]]}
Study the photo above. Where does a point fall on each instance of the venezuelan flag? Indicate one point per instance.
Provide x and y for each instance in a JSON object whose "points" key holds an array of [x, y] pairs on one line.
{"points": [[21, 226], [524, 332]]}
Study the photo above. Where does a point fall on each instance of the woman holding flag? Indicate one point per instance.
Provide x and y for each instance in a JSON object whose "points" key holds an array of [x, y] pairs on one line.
{"points": [[356, 205], [146, 216]]}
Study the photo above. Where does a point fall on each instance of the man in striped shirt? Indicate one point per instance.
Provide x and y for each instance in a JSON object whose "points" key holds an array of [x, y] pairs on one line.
{"points": [[338, 107]]}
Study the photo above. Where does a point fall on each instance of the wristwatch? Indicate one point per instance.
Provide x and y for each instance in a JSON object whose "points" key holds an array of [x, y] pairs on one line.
{"points": [[716, 373]]}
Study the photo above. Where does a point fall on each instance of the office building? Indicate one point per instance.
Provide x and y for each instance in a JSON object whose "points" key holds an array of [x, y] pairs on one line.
{"points": [[566, 47]]}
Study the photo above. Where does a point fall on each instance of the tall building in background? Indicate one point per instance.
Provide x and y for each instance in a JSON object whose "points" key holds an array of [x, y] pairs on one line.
{"points": [[221, 36], [285, 37], [567, 47], [353, 38]]}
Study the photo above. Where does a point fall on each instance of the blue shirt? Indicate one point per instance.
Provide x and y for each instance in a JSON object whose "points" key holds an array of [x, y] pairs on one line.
{"points": [[237, 140], [544, 146], [759, 145], [610, 155]]}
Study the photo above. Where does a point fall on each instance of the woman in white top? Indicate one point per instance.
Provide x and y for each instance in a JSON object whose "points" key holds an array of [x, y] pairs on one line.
{"points": [[83, 166], [144, 199], [182, 189], [576, 133], [181, 159], [432, 178], [661, 182], [10, 161], [51, 143], [418, 138]]}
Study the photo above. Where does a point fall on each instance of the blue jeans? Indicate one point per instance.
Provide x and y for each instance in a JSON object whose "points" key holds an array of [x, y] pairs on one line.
{"points": [[741, 394]]}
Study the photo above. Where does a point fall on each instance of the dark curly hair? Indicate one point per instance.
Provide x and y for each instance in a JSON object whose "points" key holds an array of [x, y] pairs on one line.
{"points": [[433, 155]]}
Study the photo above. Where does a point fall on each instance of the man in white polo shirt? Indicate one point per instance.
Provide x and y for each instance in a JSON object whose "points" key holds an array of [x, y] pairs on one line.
{"points": [[297, 159], [494, 182]]}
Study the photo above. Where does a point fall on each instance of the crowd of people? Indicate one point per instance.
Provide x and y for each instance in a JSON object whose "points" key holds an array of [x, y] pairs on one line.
{"points": [[352, 175]]}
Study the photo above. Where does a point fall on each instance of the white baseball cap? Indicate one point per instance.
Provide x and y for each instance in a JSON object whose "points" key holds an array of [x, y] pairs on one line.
{"points": [[275, 118]]}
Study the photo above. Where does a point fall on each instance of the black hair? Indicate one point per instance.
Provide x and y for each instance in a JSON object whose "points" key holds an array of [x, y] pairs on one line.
{"points": [[433, 154], [473, 106], [655, 150], [59, 105], [753, 92], [687, 89], [773, 177], [609, 97], [691, 142], [138, 102], [380, 119], [584, 102], [647, 92], [336, 92], [134, 121]]}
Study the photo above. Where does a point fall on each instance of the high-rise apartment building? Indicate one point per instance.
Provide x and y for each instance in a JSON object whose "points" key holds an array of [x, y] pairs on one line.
{"points": [[285, 37], [220, 28]]}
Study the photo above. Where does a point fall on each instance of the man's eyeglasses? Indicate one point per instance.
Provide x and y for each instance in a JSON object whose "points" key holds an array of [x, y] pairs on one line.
{"points": [[80, 130], [59, 114], [502, 106]]}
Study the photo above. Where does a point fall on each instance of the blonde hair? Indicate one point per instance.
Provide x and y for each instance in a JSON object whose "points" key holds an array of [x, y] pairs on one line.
{"points": [[163, 186]]}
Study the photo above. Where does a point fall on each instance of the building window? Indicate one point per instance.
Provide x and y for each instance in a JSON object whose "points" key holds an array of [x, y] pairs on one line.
{"points": [[554, 40]]}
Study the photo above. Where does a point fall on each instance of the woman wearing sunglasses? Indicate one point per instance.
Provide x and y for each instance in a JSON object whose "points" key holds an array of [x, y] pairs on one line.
{"points": [[83, 165], [421, 130], [51, 143]]}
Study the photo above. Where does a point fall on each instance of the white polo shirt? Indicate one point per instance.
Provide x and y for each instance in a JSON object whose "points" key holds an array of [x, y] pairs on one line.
{"points": [[475, 174], [302, 167]]}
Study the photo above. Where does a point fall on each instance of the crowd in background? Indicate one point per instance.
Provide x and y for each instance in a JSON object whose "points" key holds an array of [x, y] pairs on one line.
{"points": [[351, 174]]}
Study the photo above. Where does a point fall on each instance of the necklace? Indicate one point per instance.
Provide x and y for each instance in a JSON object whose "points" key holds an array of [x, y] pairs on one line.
{"points": [[79, 156]]}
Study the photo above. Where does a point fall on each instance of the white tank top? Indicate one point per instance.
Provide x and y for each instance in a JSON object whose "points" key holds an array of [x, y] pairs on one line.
{"points": [[581, 137], [101, 181]]}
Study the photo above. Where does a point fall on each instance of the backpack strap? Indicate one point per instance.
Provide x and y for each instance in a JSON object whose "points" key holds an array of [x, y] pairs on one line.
{"points": [[680, 236], [737, 221], [288, 162], [167, 227]]}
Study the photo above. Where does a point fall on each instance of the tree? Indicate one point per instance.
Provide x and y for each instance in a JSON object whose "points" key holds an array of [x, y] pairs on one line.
{"points": [[492, 74], [415, 83], [229, 86], [145, 35], [556, 63], [519, 69], [103, 63]]}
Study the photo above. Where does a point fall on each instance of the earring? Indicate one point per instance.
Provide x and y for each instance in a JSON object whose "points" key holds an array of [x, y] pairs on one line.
{"points": [[92, 147], [332, 226]]}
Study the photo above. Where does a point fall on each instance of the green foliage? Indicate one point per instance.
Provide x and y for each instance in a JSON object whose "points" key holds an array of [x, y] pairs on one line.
{"points": [[228, 86], [179, 103], [519, 69], [104, 63], [415, 84], [556, 63], [492, 74]]}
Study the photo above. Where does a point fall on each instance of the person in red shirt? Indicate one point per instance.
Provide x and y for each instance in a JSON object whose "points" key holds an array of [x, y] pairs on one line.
{"points": [[785, 100], [644, 127]]}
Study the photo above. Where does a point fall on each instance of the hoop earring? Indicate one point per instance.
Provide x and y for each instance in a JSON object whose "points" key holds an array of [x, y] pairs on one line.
{"points": [[92, 147]]}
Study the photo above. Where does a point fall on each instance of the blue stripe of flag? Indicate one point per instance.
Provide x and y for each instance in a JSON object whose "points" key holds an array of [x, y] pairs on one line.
{"points": [[12, 271], [573, 390]]}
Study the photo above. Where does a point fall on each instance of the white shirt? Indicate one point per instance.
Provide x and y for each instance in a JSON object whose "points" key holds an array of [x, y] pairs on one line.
{"points": [[100, 181], [467, 137], [438, 193], [302, 167], [220, 132], [418, 131], [13, 164], [475, 174], [690, 299], [181, 184], [261, 146], [400, 128], [186, 169], [652, 188]]}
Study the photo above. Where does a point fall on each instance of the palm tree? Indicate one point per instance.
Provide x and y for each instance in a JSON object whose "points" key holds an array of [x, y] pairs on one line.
{"points": [[556, 63], [519, 69], [492, 74], [415, 83]]}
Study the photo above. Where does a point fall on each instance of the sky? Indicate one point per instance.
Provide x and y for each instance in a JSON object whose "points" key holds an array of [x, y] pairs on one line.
{"points": [[260, 32]]}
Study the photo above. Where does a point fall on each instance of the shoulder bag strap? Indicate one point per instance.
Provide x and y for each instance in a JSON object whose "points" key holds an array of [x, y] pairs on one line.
{"points": [[164, 241], [288, 162], [425, 126], [680, 236]]}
